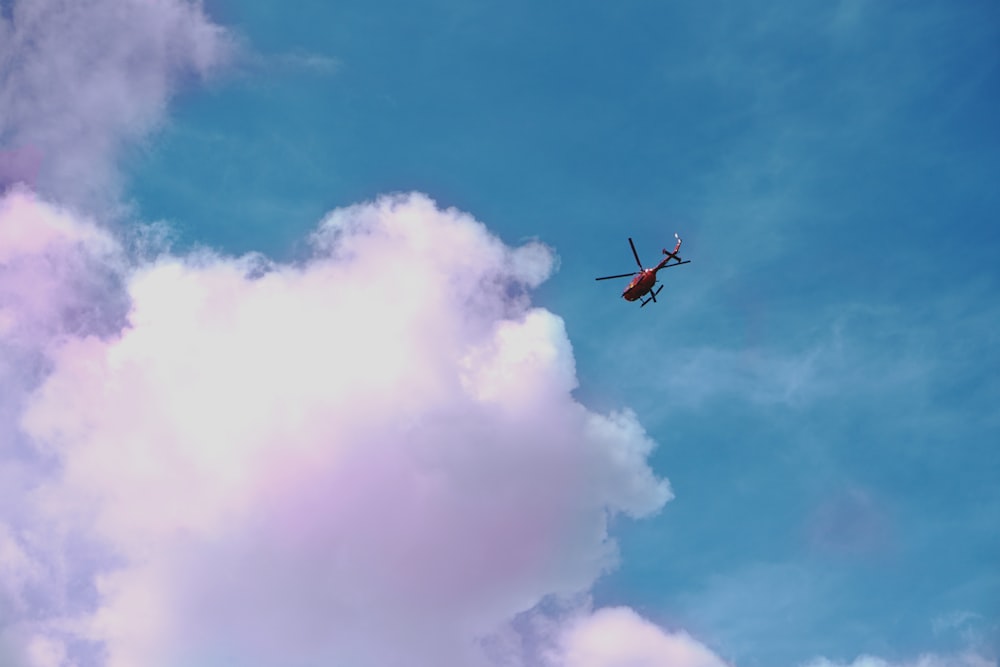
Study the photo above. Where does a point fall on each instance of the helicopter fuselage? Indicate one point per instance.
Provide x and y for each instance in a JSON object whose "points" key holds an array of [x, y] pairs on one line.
{"points": [[644, 280], [640, 285]]}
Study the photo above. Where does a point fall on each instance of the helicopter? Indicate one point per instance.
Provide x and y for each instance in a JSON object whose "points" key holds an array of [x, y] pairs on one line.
{"points": [[645, 279]]}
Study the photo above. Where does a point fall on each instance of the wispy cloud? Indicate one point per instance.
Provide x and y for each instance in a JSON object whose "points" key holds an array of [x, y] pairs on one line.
{"points": [[930, 660], [80, 82], [316, 63]]}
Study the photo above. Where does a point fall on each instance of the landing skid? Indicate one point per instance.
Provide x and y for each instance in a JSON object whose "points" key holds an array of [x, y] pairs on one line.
{"points": [[652, 296]]}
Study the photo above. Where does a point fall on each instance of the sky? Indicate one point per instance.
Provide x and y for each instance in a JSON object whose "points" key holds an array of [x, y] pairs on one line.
{"points": [[302, 362]]}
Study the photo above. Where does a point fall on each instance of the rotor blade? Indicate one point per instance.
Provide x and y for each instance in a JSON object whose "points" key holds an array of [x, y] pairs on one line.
{"points": [[620, 275], [634, 252], [667, 266]]}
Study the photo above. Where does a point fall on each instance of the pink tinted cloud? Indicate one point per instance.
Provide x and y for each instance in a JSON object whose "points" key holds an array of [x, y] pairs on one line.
{"points": [[54, 269], [19, 165], [82, 80], [618, 637], [371, 457], [60, 278]]}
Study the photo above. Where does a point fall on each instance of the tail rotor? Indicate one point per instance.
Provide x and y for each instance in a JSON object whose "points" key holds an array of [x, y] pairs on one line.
{"points": [[673, 255]]}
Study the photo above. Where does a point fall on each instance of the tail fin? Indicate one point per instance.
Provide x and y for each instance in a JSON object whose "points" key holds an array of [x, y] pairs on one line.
{"points": [[676, 248]]}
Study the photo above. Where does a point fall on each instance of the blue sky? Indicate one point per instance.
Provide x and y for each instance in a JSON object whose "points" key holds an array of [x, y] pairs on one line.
{"points": [[822, 379]]}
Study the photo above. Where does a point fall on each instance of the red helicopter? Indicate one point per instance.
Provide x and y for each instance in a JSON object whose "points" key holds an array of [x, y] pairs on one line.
{"points": [[644, 279]]}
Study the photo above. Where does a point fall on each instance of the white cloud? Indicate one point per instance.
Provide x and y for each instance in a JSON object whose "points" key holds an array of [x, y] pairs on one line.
{"points": [[373, 456], [618, 637], [54, 268]]}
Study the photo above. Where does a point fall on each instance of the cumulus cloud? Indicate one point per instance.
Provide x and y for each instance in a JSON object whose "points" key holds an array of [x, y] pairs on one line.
{"points": [[60, 278], [373, 456], [80, 80], [618, 637], [55, 269]]}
